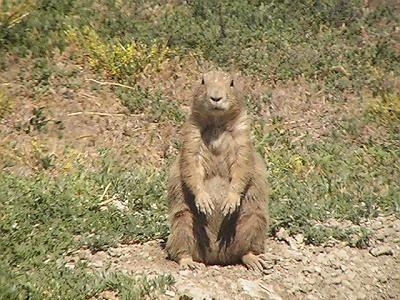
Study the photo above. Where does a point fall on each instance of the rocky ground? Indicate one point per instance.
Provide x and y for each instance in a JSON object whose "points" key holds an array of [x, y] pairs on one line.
{"points": [[297, 271]]}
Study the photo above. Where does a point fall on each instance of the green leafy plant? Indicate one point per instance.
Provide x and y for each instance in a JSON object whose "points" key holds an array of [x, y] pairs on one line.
{"points": [[119, 61]]}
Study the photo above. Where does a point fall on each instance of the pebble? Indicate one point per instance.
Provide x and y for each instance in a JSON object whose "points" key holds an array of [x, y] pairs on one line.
{"points": [[84, 254], [299, 238], [382, 278], [145, 254], [252, 288], [115, 252], [69, 265], [318, 269], [381, 250], [347, 283], [184, 273], [96, 264], [108, 295], [351, 275], [335, 280], [342, 254], [170, 293], [305, 288]]}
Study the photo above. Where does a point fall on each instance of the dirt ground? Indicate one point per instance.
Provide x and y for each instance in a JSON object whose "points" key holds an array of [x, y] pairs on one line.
{"points": [[297, 271]]}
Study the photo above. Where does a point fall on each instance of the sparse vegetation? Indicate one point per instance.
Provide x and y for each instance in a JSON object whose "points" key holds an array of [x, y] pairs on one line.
{"points": [[45, 218], [340, 163], [5, 104]]}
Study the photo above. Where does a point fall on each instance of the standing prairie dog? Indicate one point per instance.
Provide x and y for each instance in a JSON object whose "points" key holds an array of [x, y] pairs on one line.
{"points": [[217, 194]]}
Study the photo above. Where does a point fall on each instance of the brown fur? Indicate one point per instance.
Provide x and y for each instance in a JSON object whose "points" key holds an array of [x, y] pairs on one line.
{"points": [[217, 194]]}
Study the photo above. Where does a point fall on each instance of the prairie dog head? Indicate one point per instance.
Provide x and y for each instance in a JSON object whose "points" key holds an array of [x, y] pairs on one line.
{"points": [[217, 95]]}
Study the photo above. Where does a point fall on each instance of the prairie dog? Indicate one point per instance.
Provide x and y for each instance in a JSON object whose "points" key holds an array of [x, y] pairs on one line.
{"points": [[217, 194]]}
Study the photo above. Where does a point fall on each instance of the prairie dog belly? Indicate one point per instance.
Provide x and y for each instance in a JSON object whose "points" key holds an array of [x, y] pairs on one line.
{"points": [[217, 187], [216, 225]]}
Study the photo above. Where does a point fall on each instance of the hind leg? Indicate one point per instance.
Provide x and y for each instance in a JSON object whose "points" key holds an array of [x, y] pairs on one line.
{"points": [[252, 226], [249, 240], [181, 244]]}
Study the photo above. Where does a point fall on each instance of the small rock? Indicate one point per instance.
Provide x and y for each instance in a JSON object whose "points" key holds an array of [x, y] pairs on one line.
{"points": [[145, 254], [305, 288], [109, 295], [351, 275], [382, 278], [347, 283], [318, 269], [298, 256], [381, 250], [282, 234], [308, 270], [367, 287], [84, 254], [101, 255], [115, 252], [310, 281], [70, 265], [299, 238], [185, 272], [170, 293], [195, 293], [342, 254], [323, 259], [258, 290], [361, 296], [335, 280], [96, 264], [392, 294], [119, 205]]}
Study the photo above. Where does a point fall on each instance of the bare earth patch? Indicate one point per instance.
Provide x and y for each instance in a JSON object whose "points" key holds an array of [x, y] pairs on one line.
{"points": [[298, 271]]}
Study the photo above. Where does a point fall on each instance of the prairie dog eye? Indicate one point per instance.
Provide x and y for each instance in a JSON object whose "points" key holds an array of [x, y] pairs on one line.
{"points": [[202, 81], [232, 83]]}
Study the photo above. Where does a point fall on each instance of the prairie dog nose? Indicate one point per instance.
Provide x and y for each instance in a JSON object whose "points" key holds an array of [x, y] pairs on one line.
{"points": [[215, 98]]}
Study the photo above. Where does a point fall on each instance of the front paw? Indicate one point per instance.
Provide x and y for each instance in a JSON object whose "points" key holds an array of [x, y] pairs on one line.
{"points": [[232, 202], [204, 203]]}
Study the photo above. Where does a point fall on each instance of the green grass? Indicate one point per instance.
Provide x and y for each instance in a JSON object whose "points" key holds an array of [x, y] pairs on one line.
{"points": [[344, 45], [346, 174], [316, 180], [44, 219], [338, 48], [153, 103]]}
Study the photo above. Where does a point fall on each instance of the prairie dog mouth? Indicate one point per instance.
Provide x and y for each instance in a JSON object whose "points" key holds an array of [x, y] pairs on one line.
{"points": [[218, 108]]}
